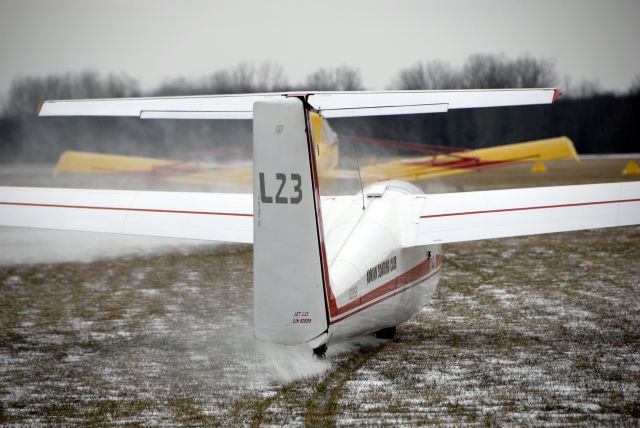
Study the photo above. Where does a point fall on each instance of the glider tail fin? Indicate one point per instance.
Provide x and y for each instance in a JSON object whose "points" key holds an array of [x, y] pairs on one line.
{"points": [[290, 274]]}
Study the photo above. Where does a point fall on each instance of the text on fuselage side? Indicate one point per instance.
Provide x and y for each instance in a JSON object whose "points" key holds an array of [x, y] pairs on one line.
{"points": [[381, 269]]}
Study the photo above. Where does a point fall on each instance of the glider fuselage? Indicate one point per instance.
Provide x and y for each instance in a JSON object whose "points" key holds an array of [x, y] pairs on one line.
{"points": [[376, 280]]}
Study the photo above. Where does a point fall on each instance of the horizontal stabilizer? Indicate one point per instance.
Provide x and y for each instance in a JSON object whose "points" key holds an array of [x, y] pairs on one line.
{"points": [[191, 107], [338, 104], [329, 104], [469, 216]]}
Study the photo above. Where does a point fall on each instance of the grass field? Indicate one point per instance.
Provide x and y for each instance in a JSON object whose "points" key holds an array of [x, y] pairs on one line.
{"points": [[540, 330]]}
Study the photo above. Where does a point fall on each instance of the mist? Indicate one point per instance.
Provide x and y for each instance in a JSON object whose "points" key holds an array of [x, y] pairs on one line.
{"points": [[29, 246]]}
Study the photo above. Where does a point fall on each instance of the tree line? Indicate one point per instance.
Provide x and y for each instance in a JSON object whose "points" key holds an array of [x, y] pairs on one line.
{"points": [[596, 120]]}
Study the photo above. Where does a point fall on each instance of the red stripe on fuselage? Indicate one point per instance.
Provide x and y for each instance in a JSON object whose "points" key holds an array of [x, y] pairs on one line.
{"points": [[540, 207], [420, 271], [148, 210], [406, 278]]}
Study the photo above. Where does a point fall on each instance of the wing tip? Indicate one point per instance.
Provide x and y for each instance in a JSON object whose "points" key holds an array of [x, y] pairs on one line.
{"points": [[556, 94]]}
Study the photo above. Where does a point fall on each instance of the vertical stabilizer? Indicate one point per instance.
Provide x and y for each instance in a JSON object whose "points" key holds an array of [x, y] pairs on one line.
{"points": [[289, 294]]}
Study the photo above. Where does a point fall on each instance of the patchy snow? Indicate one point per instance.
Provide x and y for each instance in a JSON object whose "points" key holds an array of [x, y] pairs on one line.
{"points": [[166, 339]]}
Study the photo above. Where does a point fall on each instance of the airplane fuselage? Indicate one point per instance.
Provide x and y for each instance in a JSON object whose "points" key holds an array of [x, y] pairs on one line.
{"points": [[376, 279]]}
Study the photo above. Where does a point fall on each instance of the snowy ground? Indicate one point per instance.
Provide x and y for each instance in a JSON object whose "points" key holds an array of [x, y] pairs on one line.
{"points": [[537, 330]]}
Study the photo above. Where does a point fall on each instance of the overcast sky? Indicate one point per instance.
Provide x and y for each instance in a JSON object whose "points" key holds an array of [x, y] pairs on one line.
{"points": [[153, 40]]}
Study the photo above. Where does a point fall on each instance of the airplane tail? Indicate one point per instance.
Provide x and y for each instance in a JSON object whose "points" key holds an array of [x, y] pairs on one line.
{"points": [[290, 273]]}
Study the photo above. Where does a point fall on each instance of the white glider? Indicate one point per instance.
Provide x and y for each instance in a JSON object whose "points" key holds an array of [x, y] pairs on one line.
{"points": [[325, 268]]}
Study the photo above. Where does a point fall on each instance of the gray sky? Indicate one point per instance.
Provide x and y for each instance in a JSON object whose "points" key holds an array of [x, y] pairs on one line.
{"points": [[152, 40]]}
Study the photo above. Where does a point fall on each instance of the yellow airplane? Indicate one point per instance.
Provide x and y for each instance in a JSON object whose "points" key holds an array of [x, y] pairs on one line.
{"points": [[441, 161], [458, 162]]}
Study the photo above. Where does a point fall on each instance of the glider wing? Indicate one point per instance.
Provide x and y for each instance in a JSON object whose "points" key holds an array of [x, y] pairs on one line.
{"points": [[207, 216], [469, 216]]}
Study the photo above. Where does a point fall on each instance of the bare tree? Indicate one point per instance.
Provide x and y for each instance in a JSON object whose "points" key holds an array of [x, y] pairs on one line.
{"points": [[244, 77], [27, 92], [531, 72], [479, 71], [486, 71], [429, 75], [248, 77], [342, 78], [271, 77]]}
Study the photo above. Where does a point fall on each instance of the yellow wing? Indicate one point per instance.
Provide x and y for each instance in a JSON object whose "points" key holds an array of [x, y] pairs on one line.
{"points": [[425, 167], [171, 171]]}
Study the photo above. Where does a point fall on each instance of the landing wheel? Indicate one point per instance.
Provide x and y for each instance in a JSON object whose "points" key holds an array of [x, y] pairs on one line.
{"points": [[320, 352], [386, 333]]}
